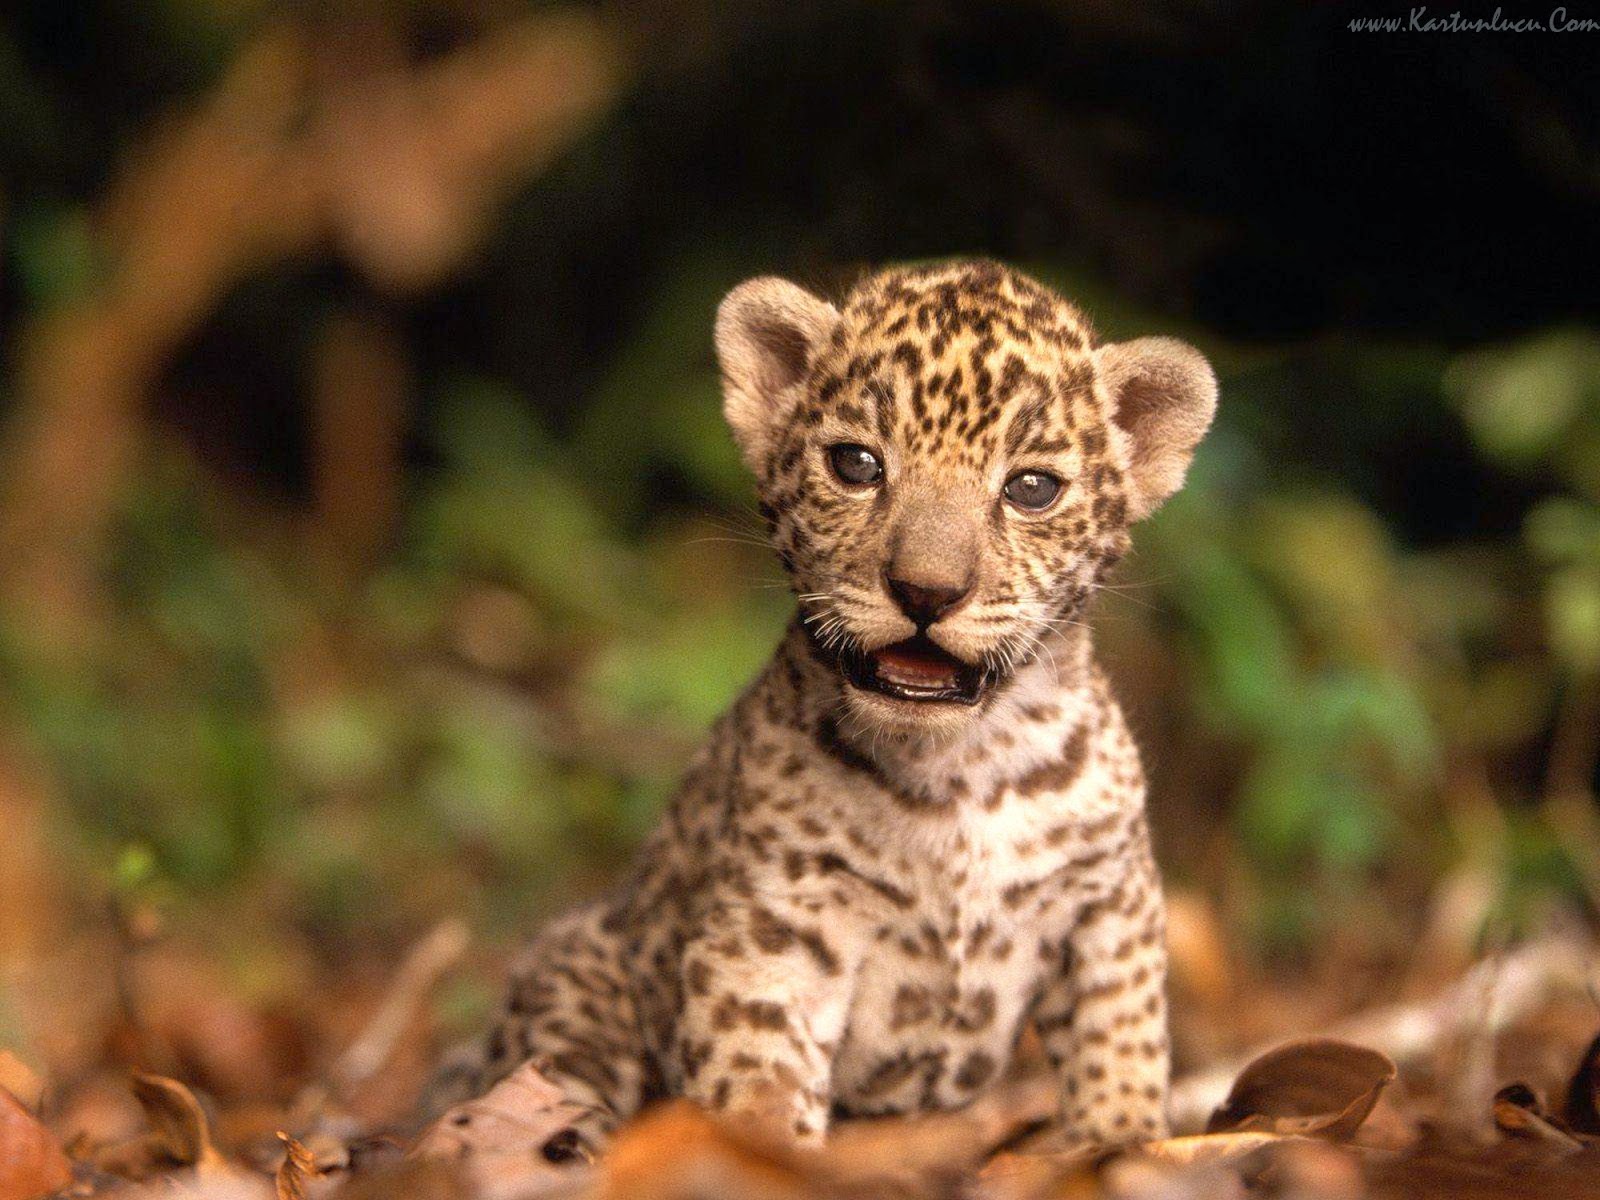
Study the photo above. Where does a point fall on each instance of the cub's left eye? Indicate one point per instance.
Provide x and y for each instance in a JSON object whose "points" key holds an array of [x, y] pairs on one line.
{"points": [[1032, 489], [855, 464]]}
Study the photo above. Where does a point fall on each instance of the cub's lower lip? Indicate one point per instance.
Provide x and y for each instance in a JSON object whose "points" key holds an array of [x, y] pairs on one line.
{"points": [[916, 670]]}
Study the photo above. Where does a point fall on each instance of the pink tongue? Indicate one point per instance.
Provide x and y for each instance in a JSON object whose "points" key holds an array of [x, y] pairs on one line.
{"points": [[913, 669]]}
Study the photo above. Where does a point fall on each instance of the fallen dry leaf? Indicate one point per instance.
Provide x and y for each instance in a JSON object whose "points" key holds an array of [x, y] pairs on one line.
{"points": [[179, 1135], [31, 1160], [1215, 1166], [680, 1153], [176, 1118], [1313, 1170], [1519, 1111], [1316, 1087], [1028, 1175], [370, 1153], [413, 1179], [1583, 1093], [1450, 1165], [1140, 1177], [940, 1144], [230, 1186], [297, 1168], [21, 1081], [1211, 1147], [517, 1139]]}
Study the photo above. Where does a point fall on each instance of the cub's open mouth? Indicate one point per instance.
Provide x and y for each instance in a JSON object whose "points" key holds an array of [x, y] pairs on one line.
{"points": [[916, 669]]}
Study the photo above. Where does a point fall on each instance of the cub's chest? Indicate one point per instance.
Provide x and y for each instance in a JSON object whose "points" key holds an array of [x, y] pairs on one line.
{"points": [[973, 910], [940, 996], [948, 980]]}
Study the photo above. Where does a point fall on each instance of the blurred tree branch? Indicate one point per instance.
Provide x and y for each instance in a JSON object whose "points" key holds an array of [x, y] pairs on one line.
{"points": [[30, 891], [314, 140]]}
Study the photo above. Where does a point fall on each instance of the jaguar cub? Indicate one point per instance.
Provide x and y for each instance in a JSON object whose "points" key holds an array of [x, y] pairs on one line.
{"points": [[922, 826]]}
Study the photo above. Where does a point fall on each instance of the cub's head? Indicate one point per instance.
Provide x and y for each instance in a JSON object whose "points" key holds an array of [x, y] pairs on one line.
{"points": [[948, 463]]}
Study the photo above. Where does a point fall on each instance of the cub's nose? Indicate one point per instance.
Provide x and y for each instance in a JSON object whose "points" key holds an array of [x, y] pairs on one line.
{"points": [[925, 603]]}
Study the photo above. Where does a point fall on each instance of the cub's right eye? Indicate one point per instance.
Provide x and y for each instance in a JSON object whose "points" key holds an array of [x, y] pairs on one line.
{"points": [[854, 464]]}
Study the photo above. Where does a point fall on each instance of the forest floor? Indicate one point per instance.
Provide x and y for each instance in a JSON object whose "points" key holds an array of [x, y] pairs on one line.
{"points": [[148, 1077]]}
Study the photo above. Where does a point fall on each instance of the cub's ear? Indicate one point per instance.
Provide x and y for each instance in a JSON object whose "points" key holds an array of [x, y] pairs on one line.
{"points": [[1164, 396], [768, 331]]}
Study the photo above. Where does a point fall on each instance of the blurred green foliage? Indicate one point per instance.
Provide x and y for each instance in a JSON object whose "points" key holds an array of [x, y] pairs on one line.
{"points": [[509, 697]]}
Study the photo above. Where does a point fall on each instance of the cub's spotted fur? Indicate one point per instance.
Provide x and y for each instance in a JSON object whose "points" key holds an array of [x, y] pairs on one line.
{"points": [[922, 826]]}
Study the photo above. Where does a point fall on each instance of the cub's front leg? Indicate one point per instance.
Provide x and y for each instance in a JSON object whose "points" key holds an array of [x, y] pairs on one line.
{"points": [[1103, 1017], [766, 993]]}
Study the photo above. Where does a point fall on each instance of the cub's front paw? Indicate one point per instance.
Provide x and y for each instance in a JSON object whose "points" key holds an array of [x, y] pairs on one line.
{"points": [[767, 1109]]}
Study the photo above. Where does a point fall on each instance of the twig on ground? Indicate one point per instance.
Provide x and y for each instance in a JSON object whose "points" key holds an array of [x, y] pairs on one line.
{"points": [[1471, 1085], [428, 961], [947, 1142]]}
